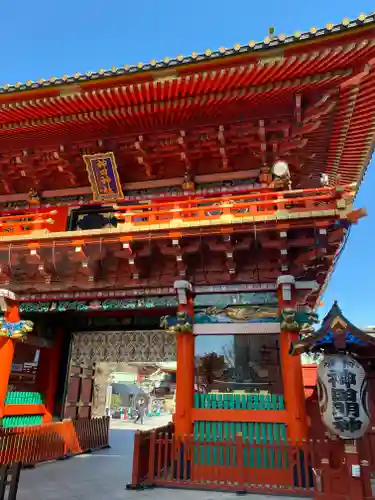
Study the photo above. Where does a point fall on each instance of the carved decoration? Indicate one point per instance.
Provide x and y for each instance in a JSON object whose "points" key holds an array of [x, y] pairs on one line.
{"points": [[188, 184], [10, 324], [265, 176], [220, 300], [34, 197], [123, 347], [15, 331], [289, 321], [99, 305], [181, 323], [308, 328], [253, 313]]}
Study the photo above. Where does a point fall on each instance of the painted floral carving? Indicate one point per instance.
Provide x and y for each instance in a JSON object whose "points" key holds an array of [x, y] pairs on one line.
{"points": [[181, 323]]}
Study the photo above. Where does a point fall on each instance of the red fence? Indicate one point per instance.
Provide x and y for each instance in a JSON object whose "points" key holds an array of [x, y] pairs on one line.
{"points": [[161, 459], [92, 433], [143, 450], [326, 469], [32, 445]]}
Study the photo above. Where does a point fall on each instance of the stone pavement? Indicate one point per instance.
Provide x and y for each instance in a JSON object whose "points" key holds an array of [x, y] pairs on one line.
{"points": [[103, 475], [96, 476]]}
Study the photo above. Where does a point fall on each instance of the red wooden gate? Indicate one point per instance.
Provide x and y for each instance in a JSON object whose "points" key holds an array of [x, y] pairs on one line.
{"points": [[80, 392]]}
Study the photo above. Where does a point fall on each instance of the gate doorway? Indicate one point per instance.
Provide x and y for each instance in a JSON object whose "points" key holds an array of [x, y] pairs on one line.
{"points": [[95, 355]]}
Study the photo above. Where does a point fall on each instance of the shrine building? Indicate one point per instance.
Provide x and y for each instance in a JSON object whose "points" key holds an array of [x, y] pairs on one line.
{"points": [[191, 210]]}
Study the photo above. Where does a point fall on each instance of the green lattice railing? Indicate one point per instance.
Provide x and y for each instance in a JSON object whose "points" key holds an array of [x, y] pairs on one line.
{"points": [[239, 401], [255, 433], [21, 421], [22, 398]]}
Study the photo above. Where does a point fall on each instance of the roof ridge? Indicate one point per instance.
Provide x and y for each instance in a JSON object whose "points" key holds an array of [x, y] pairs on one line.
{"points": [[269, 42]]}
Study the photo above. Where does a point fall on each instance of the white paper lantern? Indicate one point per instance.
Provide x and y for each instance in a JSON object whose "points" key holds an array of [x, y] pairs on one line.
{"points": [[343, 396]]}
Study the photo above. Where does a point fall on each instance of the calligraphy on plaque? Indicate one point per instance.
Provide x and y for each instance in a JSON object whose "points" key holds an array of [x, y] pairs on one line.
{"points": [[343, 396], [103, 176]]}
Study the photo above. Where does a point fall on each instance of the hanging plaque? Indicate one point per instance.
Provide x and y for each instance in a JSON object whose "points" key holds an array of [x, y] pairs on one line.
{"points": [[343, 396], [103, 176]]}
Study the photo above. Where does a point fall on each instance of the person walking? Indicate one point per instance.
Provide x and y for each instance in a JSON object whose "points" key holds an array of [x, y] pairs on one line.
{"points": [[140, 411]]}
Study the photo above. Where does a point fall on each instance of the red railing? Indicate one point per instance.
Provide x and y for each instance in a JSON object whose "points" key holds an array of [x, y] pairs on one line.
{"points": [[189, 210], [210, 209], [162, 459], [26, 223], [35, 444]]}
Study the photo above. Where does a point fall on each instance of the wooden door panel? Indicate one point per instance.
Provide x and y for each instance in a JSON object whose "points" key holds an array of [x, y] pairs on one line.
{"points": [[80, 392]]}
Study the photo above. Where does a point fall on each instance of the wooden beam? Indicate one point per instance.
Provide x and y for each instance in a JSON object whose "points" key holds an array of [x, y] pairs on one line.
{"points": [[355, 215], [13, 410]]}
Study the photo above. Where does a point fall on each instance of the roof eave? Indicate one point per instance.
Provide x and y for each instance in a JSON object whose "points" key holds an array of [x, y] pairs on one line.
{"points": [[271, 46]]}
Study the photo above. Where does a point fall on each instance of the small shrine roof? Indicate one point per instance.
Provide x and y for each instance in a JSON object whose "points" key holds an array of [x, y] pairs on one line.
{"points": [[333, 317], [272, 41], [336, 332]]}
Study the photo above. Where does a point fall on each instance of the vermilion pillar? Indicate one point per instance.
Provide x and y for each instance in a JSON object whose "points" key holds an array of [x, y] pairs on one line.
{"points": [[185, 363], [6, 360], [9, 306], [294, 393], [47, 375]]}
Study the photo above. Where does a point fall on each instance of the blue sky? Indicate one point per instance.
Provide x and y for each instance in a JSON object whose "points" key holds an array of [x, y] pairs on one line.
{"points": [[44, 39]]}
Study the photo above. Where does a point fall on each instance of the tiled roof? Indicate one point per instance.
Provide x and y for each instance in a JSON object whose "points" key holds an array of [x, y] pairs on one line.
{"points": [[270, 42]]}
